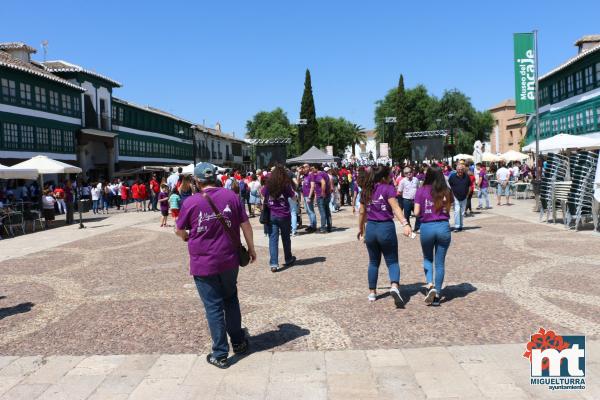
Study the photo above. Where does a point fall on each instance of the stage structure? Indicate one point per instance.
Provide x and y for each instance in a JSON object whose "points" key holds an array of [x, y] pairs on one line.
{"points": [[268, 152], [427, 145]]}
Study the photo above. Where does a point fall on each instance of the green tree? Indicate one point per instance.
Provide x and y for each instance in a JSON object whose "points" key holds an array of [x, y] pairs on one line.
{"points": [[269, 125], [337, 132], [307, 133], [357, 136]]}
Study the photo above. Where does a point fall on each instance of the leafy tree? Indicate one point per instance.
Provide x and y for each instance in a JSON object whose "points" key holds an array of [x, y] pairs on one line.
{"points": [[337, 132], [269, 125], [357, 136], [307, 133]]}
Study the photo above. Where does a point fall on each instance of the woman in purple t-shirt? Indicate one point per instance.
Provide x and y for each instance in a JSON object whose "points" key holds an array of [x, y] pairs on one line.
{"points": [[378, 206], [432, 203], [277, 191]]}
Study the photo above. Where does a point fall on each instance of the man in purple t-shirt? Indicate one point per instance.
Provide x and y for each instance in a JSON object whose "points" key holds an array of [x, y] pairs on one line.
{"points": [[322, 193], [482, 184], [214, 259], [309, 205]]}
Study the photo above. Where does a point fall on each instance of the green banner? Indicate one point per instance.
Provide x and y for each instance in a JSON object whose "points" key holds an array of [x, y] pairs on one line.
{"points": [[524, 73]]}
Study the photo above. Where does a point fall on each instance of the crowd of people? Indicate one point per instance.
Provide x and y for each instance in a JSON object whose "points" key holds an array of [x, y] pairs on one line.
{"points": [[281, 197]]}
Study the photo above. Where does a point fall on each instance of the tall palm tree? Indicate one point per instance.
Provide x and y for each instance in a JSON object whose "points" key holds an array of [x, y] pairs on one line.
{"points": [[357, 135]]}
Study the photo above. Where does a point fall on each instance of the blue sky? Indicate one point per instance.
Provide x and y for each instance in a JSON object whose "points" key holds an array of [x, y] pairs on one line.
{"points": [[225, 61]]}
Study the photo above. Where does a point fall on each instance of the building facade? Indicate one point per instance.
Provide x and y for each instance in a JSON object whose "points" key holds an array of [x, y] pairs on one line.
{"points": [[509, 128], [569, 95], [366, 150], [69, 113]]}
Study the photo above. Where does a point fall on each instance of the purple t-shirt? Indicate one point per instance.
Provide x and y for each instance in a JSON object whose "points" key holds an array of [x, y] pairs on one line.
{"points": [[484, 181], [210, 247], [280, 207], [317, 179], [428, 212], [379, 208], [308, 178], [164, 205]]}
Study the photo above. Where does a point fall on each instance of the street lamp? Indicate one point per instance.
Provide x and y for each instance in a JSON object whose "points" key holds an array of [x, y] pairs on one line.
{"points": [[389, 120], [301, 122]]}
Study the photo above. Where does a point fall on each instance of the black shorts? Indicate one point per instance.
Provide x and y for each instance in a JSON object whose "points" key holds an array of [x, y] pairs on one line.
{"points": [[165, 213], [48, 214]]}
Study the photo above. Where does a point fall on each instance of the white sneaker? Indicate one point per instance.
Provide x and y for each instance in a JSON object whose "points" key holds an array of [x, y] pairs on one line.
{"points": [[398, 300], [430, 296], [372, 297]]}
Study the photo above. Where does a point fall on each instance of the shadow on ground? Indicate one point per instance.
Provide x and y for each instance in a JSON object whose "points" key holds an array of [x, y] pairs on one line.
{"points": [[304, 261], [18, 309]]}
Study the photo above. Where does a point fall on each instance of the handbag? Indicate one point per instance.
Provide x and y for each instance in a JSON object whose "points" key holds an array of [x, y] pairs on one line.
{"points": [[265, 213], [243, 254]]}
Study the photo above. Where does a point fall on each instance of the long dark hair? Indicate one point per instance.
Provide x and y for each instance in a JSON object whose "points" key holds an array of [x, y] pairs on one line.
{"points": [[278, 181], [440, 192], [372, 177]]}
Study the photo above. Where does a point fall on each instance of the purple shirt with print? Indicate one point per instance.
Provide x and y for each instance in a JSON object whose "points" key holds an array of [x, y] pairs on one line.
{"points": [[210, 247], [428, 212], [317, 179], [379, 208], [280, 207], [484, 181], [164, 205], [306, 184]]}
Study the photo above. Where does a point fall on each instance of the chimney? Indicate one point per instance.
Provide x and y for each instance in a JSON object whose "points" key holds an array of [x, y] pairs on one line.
{"points": [[18, 50], [587, 42], [218, 127]]}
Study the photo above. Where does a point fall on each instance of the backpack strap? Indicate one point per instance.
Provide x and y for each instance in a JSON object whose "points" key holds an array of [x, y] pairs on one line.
{"points": [[221, 219]]}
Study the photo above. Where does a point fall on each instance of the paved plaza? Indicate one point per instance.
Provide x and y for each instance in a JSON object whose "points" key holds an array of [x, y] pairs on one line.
{"points": [[110, 312]]}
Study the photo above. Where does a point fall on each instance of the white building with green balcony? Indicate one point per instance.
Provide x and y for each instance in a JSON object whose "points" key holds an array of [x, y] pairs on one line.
{"points": [[570, 95]]}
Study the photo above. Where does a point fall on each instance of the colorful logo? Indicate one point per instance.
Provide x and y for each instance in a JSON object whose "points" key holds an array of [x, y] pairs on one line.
{"points": [[556, 361]]}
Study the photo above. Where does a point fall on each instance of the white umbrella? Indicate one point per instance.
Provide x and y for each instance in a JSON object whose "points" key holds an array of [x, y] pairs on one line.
{"points": [[462, 157], [563, 141], [490, 157], [513, 155], [17, 173], [188, 169], [44, 165]]}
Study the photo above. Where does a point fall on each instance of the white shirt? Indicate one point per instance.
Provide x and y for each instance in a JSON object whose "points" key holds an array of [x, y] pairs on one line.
{"points": [[408, 187], [172, 180], [502, 174], [48, 202], [96, 193], [515, 172]]}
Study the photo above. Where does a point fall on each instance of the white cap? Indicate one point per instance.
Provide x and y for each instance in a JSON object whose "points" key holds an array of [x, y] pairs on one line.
{"points": [[326, 169]]}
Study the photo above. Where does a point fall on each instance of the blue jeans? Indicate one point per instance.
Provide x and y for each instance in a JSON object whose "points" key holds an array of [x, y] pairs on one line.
{"points": [[380, 238], [277, 225], [222, 307], [435, 240], [324, 212], [294, 212], [483, 193], [408, 206], [310, 211], [105, 202], [459, 210], [95, 206]]}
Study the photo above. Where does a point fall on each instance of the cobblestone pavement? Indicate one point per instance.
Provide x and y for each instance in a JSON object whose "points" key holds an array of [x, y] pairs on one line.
{"points": [[124, 289]]}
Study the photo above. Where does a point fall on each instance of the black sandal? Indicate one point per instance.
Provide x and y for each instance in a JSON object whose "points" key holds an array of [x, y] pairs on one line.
{"points": [[217, 362]]}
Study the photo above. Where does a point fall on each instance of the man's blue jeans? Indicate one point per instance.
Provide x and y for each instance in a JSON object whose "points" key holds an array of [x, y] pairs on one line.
{"points": [[380, 238], [282, 225], [324, 212], [459, 210], [310, 211], [435, 241], [220, 299], [407, 206], [483, 193], [294, 213]]}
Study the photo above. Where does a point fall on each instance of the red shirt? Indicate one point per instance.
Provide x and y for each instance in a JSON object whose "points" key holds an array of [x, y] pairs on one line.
{"points": [[135, 191], [472, 178], [59, 193], [124, 192], [154, 186], [142, 191]]}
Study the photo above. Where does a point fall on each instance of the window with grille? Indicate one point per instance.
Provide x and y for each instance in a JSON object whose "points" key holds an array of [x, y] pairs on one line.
{"points": [[562, 87], [25, 90], [579, 120], [570, 122], [578, 81], [69, 144], [598, 74], [55, 139], [77, 105], [9, 90], [554, 125], [42, 137], [570, 84], [589, 76], [53, 100], [66, 103], [589, 117], [11, 136], [27, 141], [40, 97], [555, 91], [563, 123]]}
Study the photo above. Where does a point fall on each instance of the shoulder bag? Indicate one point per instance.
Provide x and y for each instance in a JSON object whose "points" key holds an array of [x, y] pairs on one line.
{"points": [[243, 254], [265, 213]]}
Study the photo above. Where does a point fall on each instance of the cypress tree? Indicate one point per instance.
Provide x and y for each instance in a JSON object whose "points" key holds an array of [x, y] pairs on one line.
{"points": [[401, 148], [307, 134]]}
